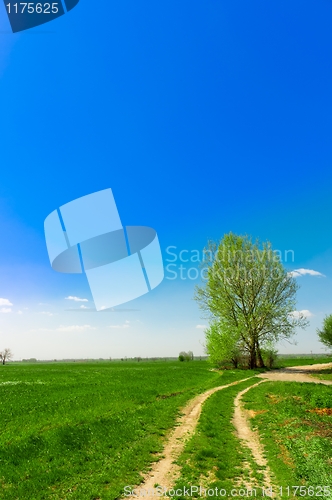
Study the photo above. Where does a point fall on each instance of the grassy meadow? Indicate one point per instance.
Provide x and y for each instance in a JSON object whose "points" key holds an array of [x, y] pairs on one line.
{"points": [[85, 430]]}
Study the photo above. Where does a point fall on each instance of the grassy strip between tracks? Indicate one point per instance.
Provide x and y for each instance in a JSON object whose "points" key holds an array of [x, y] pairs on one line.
{"points": [[294, 422], [214, 457]]}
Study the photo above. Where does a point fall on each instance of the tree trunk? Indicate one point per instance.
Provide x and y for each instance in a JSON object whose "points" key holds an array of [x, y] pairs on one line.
{"points": [[252, 359], [235, 362], [260, 360]]}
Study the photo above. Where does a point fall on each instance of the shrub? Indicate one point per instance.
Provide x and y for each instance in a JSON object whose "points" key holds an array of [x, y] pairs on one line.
{"points": [[270, 356], [186, 356]]}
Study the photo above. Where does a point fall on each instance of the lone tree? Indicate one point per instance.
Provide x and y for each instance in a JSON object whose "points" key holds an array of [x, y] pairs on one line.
{"points": [[249, 298], [6, 355], [325, 335]]}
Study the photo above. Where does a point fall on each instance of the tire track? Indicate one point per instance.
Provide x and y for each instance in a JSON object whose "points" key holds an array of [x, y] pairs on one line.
{"points": [[241, 419], [165, 472]]}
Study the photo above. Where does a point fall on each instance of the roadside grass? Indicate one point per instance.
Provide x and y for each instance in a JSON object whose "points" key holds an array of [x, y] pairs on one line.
{"points": [[86, 430], [214, 457], [286, 362], [323, 374], [294, 423]]}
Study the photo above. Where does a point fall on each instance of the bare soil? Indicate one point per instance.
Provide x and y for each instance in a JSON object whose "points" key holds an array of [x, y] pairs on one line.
{"points": [[251, 439], [298, 374]]}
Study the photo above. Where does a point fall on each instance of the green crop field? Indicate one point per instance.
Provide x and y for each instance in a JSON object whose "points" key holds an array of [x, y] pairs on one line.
{"points": [[86, 430]]}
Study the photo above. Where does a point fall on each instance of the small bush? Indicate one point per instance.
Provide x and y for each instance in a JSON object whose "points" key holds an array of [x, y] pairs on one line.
{"points": [[270, 357], [186, 356]]}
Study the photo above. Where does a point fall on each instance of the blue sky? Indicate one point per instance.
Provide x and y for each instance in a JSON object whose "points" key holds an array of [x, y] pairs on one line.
{"points": [[203, 117]]}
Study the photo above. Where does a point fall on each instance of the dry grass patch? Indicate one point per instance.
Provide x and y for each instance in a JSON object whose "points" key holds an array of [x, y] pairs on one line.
{"points": [[321, 411]]}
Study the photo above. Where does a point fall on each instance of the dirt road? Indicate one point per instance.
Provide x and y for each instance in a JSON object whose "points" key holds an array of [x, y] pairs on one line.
{"points": [[241, 420], [298, 374], [165, 471]]}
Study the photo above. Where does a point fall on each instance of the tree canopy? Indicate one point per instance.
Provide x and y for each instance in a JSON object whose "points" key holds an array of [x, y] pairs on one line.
{"points": [[249, 298]]}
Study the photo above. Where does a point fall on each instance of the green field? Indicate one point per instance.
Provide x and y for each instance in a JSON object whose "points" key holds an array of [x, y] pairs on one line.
{"points": [[86, 430]]}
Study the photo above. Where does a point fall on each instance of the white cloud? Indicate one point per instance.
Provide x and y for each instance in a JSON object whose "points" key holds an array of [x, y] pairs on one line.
{"points": [[5, 310], [19, 312], [47, 313], [76, 299], [5, 302], [301, 272], [201, 327], [120, 326], [305, 312], [74, 328]]}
